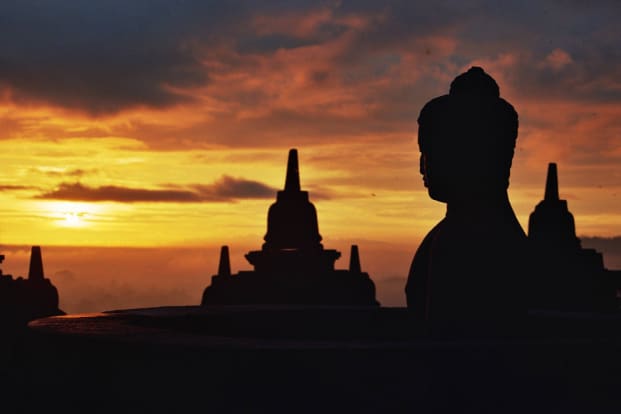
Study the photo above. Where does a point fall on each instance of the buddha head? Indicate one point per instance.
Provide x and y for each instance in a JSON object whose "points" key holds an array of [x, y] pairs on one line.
{"points": [[467, 139]]}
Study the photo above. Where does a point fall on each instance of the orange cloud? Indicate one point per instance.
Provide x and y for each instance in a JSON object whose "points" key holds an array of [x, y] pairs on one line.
{"points": [[557, 59]]}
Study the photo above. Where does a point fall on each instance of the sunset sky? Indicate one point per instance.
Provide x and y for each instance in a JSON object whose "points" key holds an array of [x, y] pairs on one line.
{"points": [[137, 137]]}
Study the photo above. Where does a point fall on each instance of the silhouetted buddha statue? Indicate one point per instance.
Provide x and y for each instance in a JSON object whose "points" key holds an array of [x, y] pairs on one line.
{"points": [[467, 271]]}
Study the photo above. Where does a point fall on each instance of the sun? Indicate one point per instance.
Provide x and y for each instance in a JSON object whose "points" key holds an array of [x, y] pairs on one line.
{"points": [[72, 214], [74, 219]]}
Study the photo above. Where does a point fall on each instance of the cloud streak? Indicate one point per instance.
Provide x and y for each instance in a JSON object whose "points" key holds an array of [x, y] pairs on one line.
{"points": [[15, 187], [225, 189]]}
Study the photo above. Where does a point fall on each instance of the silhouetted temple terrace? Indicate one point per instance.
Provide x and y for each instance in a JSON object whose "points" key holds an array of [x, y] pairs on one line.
{"points": [[566, 276], [22, 300], [292, 267]]}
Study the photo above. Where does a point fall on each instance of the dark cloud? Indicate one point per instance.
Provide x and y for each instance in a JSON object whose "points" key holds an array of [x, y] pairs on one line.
{"points": [[102, 58], [77, 172], [14, 187], [487, 30], [114, 55], [225, 189], [105, 57], [80, 192], [231, 188]]}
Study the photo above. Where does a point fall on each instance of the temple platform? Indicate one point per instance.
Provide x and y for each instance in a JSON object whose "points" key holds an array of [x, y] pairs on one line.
{"points": [[310, 359]]}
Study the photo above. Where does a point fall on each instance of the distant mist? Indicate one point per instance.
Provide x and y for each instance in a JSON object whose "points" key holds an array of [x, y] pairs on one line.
{"points": [[609, 246], [95, 279]]}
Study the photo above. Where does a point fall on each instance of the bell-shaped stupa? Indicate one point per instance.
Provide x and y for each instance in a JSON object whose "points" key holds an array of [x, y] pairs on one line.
{"points": [[292, 266], [566, 276], [551, 225], [292, 219], [22, 300], [292, 241]]}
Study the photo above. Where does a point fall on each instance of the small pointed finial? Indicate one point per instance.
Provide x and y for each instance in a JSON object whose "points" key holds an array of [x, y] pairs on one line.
{"points": [[292, 183], [35, 272], [551, 183], [224, 268], [354, 260]]}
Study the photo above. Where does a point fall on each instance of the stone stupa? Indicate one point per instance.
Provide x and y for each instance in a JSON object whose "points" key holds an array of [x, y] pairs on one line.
{"points": [[566, 275], [292, 267], [22, 300]]}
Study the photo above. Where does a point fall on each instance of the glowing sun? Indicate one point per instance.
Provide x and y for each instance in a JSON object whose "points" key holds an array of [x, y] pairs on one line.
{"points": [[74, 219], [71, 214]]}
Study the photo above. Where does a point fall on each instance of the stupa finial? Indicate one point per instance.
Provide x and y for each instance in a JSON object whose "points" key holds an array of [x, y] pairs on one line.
{"points": [[224, 268], [292, 182], [35, 271], [552, 183], [354, 260]]}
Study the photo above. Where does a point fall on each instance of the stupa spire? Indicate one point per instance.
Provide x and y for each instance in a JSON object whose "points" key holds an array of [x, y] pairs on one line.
{"points": [[224, 268], [552, 225], [35, 271], [292, 182], [292, 219], [552, 183], [354, 260]]}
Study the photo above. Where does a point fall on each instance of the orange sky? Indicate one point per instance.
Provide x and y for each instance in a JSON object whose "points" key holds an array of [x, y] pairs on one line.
{"points": [[170, 134]]}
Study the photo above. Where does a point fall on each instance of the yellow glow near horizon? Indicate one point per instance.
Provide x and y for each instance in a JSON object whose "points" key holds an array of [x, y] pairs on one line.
{"points": [[356, 194]]}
